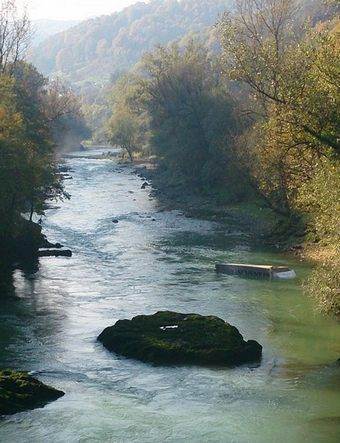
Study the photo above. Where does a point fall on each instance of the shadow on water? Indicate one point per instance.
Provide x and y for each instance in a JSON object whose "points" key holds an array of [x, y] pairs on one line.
{"points": [[27, 317], [7, 288], [28, 267]]}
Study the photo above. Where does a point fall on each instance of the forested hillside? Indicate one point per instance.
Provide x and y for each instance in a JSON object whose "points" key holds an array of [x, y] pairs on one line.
{"points": [[102, 47]]}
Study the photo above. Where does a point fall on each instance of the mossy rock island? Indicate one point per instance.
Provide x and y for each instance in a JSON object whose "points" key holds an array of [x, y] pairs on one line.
{"points": [[20, 392], [173, 338]]}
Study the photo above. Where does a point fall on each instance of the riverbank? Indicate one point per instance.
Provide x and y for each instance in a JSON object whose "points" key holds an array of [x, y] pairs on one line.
{"points": [[253, 218]]}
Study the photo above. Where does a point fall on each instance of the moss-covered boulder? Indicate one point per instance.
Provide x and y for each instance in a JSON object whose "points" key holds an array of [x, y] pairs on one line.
{"points": [[20, 392], [173, 338]]}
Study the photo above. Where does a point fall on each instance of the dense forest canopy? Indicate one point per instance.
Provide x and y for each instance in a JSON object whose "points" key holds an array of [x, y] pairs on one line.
{"points": [[94, 54], [183, 113]]}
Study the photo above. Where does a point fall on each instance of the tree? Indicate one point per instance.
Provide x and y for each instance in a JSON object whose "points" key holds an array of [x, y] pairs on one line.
{"points": [[282, 67], [319, 200], [63, 112], [96, 116], [292, 78], [15, 33], [28, 173], [125, 132], [128, 124], [193, 120]]}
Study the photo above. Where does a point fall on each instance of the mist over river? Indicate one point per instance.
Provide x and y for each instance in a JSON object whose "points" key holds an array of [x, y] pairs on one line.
{"points": [[157, 260]]}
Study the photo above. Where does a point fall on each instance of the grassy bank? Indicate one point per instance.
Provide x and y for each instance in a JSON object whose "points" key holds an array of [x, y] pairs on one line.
{"points": [[324, 283]]}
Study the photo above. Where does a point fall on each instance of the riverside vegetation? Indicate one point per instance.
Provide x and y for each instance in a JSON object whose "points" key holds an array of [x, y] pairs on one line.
{"points": [[34, 115], [253, 124]]}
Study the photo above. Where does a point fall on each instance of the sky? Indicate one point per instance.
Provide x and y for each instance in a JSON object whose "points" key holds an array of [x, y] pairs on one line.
{"points": [[72, 9]]}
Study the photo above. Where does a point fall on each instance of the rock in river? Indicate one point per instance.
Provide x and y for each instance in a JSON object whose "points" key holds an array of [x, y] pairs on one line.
{"points": [[21, 392], [174, 338]]}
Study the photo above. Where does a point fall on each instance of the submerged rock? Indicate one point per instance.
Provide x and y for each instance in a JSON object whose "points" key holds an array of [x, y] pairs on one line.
{"points": [[174, 338], [21, 392]]}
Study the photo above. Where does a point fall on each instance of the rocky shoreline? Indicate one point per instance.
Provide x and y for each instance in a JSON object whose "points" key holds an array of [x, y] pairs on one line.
{"points": [[253, 220]]}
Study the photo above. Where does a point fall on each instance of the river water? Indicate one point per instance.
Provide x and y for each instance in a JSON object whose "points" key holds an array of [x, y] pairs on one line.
{"points": [[155, 260]]}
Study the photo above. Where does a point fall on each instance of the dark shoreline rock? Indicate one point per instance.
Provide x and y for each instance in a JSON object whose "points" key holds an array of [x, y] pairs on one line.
{"points": [[27, 243], [48, 245], [20, 392], [23, 243], [55, 253], [173, 338]]}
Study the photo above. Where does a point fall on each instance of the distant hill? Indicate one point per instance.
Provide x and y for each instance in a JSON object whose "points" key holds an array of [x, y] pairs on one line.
{"points": [[98, 48], [45, 28]]}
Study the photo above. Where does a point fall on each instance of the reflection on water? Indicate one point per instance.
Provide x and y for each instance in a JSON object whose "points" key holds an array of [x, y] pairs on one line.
{"points": [[154, 260]]}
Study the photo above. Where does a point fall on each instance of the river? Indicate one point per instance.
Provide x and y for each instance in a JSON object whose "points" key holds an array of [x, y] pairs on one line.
{"points": [[154, 260]]}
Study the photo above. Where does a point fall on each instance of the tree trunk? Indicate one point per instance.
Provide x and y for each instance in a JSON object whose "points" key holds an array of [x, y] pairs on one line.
{"points": [[129, 151], [32, 211]]}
